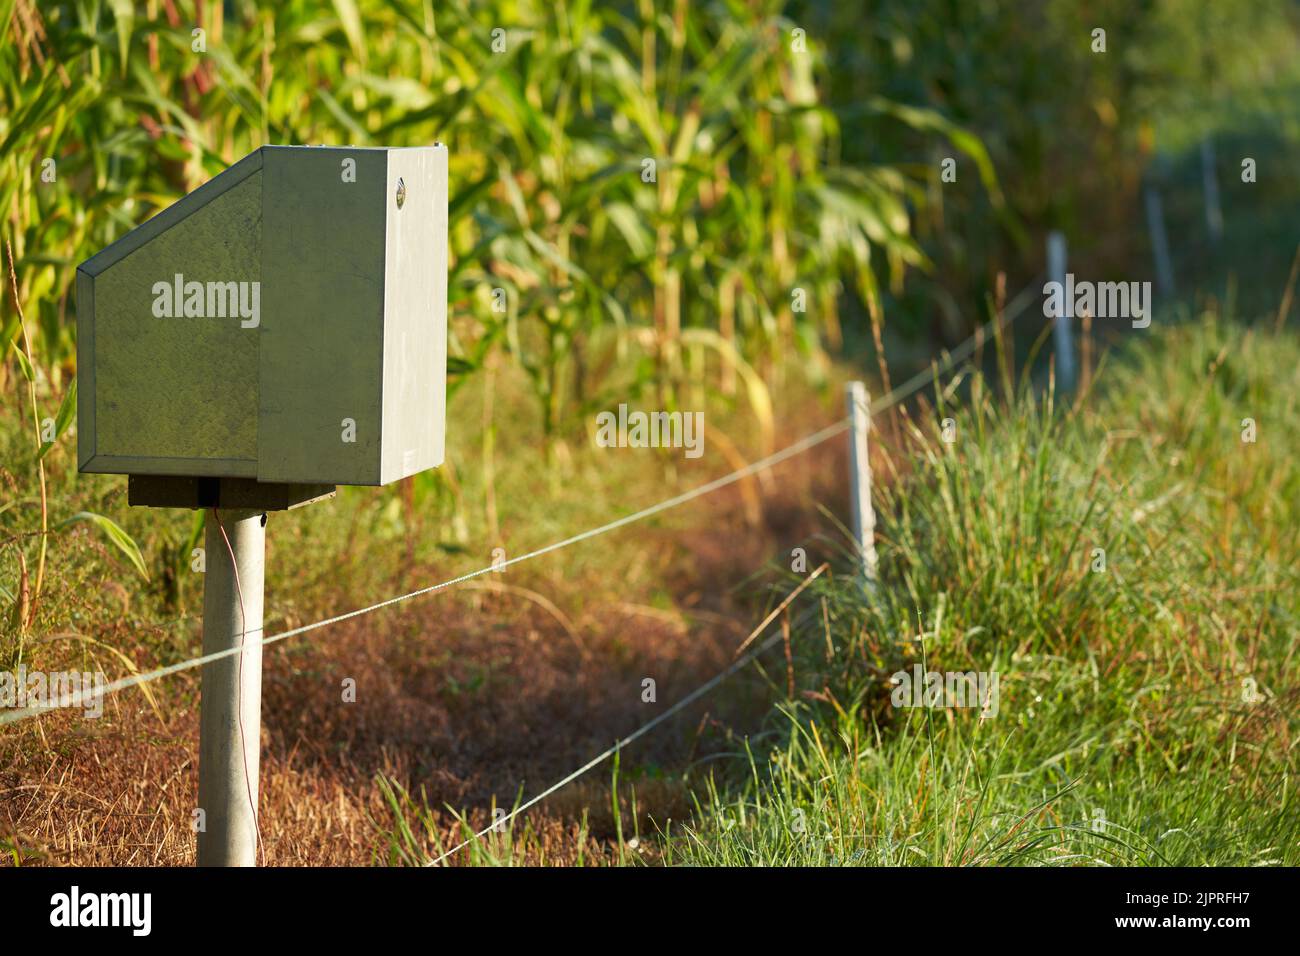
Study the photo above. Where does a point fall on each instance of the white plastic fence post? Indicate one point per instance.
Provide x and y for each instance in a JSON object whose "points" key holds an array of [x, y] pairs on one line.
{"points": [[1159, 242], [1210, 182], [1062, 335], [230, 715], [864, 516]]}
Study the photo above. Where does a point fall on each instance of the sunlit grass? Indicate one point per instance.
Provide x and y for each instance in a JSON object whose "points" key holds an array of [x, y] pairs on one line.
{"points": [[1147, 711]]}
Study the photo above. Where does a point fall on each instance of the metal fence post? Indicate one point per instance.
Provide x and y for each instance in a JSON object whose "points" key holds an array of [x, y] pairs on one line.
{"points": [[1159, 241], [1210, 186], [230, 719], [1061, 324], [864, 516]]}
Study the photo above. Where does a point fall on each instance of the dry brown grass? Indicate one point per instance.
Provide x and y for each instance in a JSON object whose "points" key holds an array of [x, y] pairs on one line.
{"points": [[463, 697]]}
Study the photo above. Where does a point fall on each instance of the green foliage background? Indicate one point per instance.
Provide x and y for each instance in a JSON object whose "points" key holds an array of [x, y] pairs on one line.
{"points": [[551, 114], [797, 145]]}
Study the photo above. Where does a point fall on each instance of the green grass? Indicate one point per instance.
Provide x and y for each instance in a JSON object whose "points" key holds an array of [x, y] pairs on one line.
{"points": [[1124, 733], [1146, 710]]}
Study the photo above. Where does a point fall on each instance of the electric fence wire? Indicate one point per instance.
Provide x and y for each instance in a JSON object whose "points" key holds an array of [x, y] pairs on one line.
{"points": [[897, 395]]}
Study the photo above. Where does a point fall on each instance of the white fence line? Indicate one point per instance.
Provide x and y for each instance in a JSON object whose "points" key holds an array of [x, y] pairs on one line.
{"points": [[790, 451], [895, 396], [958, 354]]}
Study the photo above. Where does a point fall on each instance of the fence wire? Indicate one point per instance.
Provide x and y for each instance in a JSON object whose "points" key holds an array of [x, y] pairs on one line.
{"points": [[897, 395]]}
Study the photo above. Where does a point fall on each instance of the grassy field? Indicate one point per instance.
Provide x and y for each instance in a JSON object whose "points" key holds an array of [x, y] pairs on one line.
{"points": [[1145, 712], [464, 695], [1146, 696]]}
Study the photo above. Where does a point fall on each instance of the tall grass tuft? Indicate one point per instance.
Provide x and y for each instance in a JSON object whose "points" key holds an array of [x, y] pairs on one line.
{"points": [[1128, 567]]}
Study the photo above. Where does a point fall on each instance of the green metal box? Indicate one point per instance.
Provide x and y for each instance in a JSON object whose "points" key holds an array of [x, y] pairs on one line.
{"points": [[285, 322]]}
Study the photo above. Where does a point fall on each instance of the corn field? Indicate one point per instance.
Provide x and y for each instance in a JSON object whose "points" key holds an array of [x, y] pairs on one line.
{"points": [[641, 194]]}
